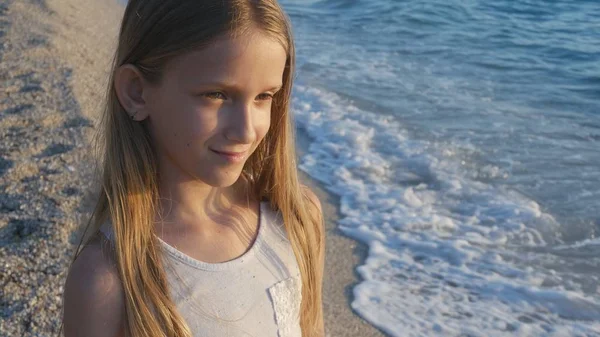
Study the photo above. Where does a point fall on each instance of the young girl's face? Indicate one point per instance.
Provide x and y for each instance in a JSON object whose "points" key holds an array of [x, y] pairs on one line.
{"points": [[213, 108]]}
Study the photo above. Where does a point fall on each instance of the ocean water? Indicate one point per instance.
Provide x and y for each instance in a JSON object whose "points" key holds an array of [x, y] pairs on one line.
{"points": [[463, 139]]}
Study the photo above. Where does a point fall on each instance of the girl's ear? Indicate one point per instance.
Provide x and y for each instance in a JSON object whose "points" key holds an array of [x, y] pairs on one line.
{"points": [[129, 86]]}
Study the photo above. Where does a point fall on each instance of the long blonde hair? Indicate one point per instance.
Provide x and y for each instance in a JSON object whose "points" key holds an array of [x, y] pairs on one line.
{"points": [[152, 33]]}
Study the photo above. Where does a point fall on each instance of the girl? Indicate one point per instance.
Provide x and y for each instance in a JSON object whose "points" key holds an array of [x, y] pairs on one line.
{"points": [[201, 227]]}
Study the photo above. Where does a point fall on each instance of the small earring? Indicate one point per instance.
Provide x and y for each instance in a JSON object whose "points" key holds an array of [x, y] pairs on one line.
{"points": [[133, 115]]}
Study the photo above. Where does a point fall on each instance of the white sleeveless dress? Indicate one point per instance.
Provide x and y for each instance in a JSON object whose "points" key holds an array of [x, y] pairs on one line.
{"points": [[257, 294]]}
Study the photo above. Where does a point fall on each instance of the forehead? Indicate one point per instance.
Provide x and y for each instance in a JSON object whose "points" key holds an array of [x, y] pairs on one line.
{"points": [[251, 59]]}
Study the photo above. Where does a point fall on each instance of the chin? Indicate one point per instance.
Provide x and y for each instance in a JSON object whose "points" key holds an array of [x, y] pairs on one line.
{"points": [[223, 180]]}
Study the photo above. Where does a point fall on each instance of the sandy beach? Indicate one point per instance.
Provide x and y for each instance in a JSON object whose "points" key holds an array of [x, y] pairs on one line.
{"points": [[54, 55]]}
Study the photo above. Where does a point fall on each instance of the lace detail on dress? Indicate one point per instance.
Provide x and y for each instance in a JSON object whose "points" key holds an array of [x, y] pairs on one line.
{"points": [[286, 296]]}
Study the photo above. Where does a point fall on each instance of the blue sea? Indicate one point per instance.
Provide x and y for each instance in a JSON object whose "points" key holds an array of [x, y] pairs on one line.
{"points": [[463, 139]]}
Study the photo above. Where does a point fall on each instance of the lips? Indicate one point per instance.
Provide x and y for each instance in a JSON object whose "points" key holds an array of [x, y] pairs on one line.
{"points": [[232, 156], [230, 153]]}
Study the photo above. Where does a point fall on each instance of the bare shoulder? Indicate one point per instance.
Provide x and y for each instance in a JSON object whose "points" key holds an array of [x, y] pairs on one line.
{"points": [[316, 209], [316, 212], [94, 298]]}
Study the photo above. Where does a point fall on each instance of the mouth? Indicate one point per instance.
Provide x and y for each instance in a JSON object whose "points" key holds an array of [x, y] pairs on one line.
{"points": [[231, 156]]}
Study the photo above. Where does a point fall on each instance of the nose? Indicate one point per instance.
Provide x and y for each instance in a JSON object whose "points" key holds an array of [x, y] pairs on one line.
{"points": [[240, 126]]}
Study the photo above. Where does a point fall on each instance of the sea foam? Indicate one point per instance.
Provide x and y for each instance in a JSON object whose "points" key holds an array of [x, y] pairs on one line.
{"points": [[448, 254]]}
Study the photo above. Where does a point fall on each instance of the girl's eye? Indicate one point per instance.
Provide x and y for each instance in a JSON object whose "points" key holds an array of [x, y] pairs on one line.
{"points": [[265, 97], [214, 95]]}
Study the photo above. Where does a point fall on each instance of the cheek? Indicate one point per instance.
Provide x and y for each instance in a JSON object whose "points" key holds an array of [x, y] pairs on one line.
{"points": [[262, 125], [181, 124], [199, 125]]}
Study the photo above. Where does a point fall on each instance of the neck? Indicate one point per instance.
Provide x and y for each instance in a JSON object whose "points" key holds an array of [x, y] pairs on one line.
{"points": [[193, 204]]}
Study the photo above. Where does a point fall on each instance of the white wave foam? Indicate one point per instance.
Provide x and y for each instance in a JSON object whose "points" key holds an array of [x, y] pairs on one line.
{"points": [[444, 249]]}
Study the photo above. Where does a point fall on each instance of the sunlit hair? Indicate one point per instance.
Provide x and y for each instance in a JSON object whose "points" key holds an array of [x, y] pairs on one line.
{"points": [[151, 34]]}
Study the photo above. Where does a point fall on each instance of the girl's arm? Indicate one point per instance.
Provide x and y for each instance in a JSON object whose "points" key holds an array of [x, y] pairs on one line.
{"points": [[93, 299]]}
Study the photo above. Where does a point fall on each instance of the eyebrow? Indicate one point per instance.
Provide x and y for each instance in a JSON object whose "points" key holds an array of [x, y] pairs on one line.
{"points": [[230, 86], [276, 88]]}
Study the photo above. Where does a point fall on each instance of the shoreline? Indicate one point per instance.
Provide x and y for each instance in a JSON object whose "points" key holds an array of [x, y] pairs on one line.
{"points": [[343, 255], [55, 57]]}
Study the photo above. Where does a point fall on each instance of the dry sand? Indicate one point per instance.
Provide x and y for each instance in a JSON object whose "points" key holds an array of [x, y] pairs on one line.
{"points": [[54, 58]]}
